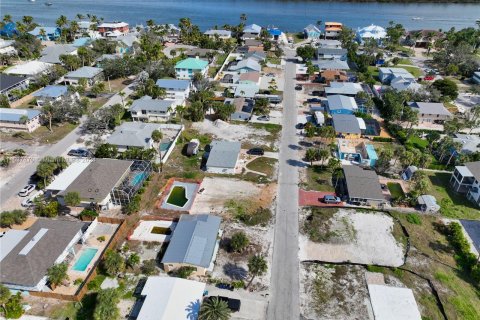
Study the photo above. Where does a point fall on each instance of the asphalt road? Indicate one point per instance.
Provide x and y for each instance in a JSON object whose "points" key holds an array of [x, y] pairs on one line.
{"points": [[284, 303], [12, 187]]}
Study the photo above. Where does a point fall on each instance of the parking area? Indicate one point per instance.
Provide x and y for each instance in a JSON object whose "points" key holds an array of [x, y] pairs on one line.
{"points": [[314, 198]]}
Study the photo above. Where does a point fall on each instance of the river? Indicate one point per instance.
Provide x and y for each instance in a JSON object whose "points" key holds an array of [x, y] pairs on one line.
{"points": [[288, 15]]}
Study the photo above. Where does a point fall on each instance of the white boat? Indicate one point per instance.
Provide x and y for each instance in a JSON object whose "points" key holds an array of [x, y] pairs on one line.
{"points": [[31, 0], [417, 18]]}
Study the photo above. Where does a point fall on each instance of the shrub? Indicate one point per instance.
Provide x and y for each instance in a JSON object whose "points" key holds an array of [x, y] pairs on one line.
{"points": [[238, 284], [239, 241], [414, 218], [95, 284], [9, 218], [464, 257], [14, 308], [101, 238], [184, 272], [88, 213], [78, 281], [149, 267], [382, 139], [260, 217]]}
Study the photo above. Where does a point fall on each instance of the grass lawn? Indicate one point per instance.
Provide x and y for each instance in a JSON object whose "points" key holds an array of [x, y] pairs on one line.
{"points": [[263, 165], [274, 60], [43, 135], [221, 59], [417, 142], [461, 208], [373, 71], [318, 178], [405, 61], [416, 72], [395, 190], [451, 107]]}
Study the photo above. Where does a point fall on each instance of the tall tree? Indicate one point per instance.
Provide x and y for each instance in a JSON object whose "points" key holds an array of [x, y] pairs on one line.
{"points": [[106, 305], [257, 266]]}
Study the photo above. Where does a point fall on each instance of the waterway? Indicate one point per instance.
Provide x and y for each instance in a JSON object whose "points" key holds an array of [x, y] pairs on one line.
{"points": [[289, 15]]}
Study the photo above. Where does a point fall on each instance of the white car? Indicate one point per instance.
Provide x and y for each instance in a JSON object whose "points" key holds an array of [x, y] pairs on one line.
{"points": [[27, 190], [30, 201]]}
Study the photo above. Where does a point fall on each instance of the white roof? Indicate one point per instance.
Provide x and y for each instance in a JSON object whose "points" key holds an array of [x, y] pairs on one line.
{"points": [[67, 176], [361, 124], [372, 31], [113, 25], [30, 68], [169, 298], [392, 303], [9, 239]]}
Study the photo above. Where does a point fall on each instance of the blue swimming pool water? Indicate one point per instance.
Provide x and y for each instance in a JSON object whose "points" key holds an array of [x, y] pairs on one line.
{"points": [[138, 178], [84, 260], [164, 146]]}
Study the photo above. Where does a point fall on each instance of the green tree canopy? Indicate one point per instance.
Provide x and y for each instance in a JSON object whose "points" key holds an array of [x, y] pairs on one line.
{"points": [[214, 309], [106, 305], [113, 263], [57, 273]]}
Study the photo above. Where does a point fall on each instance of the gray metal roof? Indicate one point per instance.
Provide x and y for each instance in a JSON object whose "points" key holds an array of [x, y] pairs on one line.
{"points": [[97, 181], [430, 108], [332, 64], [193, 240], [133, 134], [14, 115], [249, 63], [151, 105], [7, 81], [51, 91], [474, 168], [332, 51], [28, 269], [84, 72], [173, 84], [346, 123], [362, 183], [427, 200], [347, 88], [52, 54], [338, 102], [312, 27], [223, 154]]}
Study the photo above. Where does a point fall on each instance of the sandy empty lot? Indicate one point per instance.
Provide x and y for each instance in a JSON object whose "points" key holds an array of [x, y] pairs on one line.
{"points": [[232, 132], [220, 190], [356, 237]]}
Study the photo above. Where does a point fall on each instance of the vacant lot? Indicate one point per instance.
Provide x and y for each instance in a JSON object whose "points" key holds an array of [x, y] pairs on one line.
{"points": [[395, 190], [349, 236], [263, 165], [318, 178]]}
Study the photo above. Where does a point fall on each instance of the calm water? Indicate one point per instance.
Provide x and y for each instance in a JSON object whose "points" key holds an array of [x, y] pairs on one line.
{"points": [[288, 15]]}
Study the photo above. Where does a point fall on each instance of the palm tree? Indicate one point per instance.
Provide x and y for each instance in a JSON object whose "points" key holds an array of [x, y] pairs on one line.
{"points": [[214, 309], [61, 22], [80, 16], [243, 17], [7, 18], [122, 95], [257, 266]]}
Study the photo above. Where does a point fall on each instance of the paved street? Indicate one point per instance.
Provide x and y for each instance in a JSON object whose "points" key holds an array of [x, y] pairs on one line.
{"points": [[284, 303], [12, 187]]}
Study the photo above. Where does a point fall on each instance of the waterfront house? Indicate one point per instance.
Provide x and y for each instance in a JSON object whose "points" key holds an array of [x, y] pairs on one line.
{"points": [[27, 254], [223, 157], [466, 179], [332, 30], [52, 93], [46, 33], [10, 83], [431, 112], [147, 109], [371, 32], [340, 104], [20, 119], [185, 69], [220, 34], [91, 74], [311, 32], [422, 38], [362, 186], [52, 53], [274, 33], [194, 243], [113, 29], [253, 29], [177, 90]]}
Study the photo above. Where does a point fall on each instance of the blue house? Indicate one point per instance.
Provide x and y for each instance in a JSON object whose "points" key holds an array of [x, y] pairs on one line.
{"points": [[361, 154], [311, 32], [50, 33], [9, 30], [340, 104], [275, 33]]}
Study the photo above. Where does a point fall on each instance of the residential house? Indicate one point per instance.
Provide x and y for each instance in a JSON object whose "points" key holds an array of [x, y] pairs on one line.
{"points": [[133, 135], [256, 55], [248, 36], [346, 126], [332, 30], [20, 119], [66, 177], [32, 70], [466, 179], [331, 54], [9, 84], [106, 183], [246, 90], [223, 157], [54, 93], [362, 153], [274, 33], [113, 29], [311, 32], [125, 44], [329, 76], [7, 48], [82, 42], [46, 33], [249, 78], [177, 90], [362, 186], [431, 112], [201, 53], [476, 77], [253, 29], [386, 75], [27, 254], [402, 84], [165, 298], [147, 109], [91, 74], [221, 34], [349, 89], [331, 64], [51, 54], [470, 143], [371, 32], [428, 203], [250, 45], [328, 43], [246, 65], [340, 104], [185, 69], [194, 243], [84, 27], [9, 30], [243, 108], [422, 38]]}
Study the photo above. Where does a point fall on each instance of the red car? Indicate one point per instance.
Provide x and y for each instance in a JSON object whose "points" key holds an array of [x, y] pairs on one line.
{"points": [[429, 78]]}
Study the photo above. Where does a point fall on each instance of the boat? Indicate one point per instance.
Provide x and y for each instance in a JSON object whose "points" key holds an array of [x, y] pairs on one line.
{"points": [[417, 18], [31, 0], [48, 4]]}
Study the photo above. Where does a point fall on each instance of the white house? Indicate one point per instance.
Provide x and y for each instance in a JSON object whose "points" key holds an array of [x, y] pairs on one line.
{"points": [[177, 90], [54, 93], [91, 74], [6, 47], [19, 119], [223, 157], [151, 110], [466, 179], [386, 75], [221, 34], [185, 69], [31, 69]]}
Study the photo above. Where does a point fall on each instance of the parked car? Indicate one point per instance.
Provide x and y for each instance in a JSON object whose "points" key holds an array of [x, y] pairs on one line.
{"points": [[256, 152], [225, 286], [29, 202], [233, 304], [263, 118], [298, 87], [331, 199], [79, 153], [27, 190], [429, 78], [314, 100], [300, 125], [317, 93]]}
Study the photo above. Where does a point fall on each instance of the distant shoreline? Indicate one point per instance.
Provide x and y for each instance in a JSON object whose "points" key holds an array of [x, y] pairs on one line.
{"points": [[401, 1]]}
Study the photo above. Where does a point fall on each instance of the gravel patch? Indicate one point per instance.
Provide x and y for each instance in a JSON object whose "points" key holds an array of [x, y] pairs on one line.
{"points": [[231, 132]]}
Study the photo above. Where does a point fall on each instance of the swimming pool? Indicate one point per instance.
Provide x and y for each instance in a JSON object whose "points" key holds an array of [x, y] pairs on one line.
{"points": [[138, 178], [164, 146], [177, 196], [85, 258]]}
